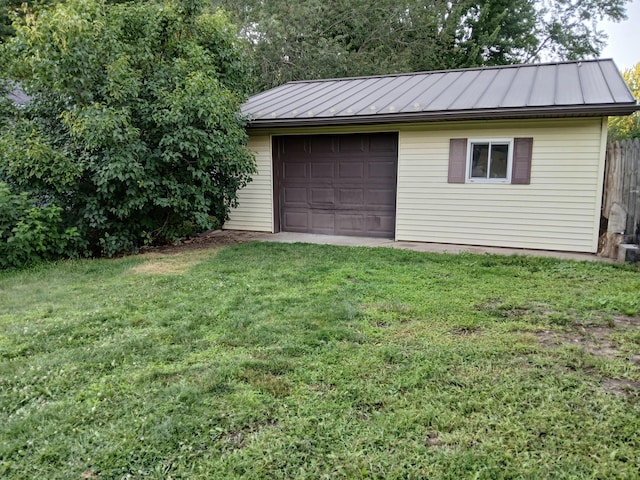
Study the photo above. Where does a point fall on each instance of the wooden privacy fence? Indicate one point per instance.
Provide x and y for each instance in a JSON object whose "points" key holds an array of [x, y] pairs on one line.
{"points": [[621, 198]]}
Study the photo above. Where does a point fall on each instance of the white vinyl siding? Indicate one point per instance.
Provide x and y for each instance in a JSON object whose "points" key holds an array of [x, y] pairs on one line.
{"points": [[557, 211], [255, 201]]}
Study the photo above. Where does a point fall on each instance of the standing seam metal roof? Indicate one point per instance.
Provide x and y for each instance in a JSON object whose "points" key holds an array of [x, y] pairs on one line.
{"points": [[590, 87]]}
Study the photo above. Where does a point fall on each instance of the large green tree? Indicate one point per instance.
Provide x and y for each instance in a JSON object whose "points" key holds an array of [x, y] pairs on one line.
{"points": [[133, 127], [333, 38]]}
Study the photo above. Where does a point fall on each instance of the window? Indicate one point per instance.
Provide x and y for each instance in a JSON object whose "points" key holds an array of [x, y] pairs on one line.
{"points": [[489, 160]]}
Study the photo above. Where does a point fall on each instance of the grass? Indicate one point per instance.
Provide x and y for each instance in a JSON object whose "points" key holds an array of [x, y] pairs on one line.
{"points": [[304, 361]]}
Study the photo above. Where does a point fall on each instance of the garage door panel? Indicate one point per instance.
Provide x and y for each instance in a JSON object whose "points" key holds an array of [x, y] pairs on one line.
{"points": [[295, 196], [295, 170], [381, 169], [380, 197], [323, 222], [322, 170], [296, 145], [350, 224], [380, 223], [353, 144], [351, 170], [296, 221], [384, 142], [351, 196], [329, 144], [322, 195], [339, 184]]}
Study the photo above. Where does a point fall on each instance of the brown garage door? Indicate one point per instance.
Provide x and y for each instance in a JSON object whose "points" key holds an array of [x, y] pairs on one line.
{"points": [[338, 184]]}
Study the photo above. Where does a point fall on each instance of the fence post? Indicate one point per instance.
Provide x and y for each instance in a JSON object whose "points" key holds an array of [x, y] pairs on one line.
{"points": [[634, 227]]}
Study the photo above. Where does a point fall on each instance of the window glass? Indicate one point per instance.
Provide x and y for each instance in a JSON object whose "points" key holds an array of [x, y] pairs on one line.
{"points": [[489, 160], [499, 160], [480, 160]]}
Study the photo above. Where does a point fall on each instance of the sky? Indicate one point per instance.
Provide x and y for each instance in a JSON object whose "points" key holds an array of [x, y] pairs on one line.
{"points": [[623, 44]]}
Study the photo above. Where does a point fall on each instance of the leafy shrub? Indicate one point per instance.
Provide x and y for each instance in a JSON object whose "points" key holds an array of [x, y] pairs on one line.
{"points": [[134, 125], [29, 233]]}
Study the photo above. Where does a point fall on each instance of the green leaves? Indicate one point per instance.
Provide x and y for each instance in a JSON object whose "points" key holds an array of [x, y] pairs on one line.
{"points": [[627, 128], [99, 126], [29, 233], [33, 163], [134, 124], [315, 39]]}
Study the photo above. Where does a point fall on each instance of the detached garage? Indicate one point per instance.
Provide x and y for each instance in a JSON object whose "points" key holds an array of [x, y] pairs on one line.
{"points": [[505, 156]]}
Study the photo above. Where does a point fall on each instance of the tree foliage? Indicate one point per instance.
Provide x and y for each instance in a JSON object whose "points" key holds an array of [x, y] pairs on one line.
{"points": [[626, 128], [335, 38], [133, 128], [19, 10]]}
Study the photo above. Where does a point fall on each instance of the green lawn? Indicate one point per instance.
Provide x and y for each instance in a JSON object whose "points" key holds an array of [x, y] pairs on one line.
{"points": [[304, 361]]}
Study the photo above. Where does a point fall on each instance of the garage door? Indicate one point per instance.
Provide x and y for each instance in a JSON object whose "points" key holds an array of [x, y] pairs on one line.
{"points": [[338, 184]]}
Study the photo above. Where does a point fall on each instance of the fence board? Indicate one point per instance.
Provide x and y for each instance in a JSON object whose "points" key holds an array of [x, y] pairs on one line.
{"points": [[621, 197]]}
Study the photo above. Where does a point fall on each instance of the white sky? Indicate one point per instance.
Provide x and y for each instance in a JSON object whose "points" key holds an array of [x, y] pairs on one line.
{"points": [[623, 44]]}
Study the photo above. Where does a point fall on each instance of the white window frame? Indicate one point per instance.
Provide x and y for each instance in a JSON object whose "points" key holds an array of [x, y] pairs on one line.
{"points": [[490, 141]]}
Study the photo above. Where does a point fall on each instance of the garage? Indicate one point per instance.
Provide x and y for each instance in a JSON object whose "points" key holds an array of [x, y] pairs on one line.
{"points": [[321, 166], [336, 184]]}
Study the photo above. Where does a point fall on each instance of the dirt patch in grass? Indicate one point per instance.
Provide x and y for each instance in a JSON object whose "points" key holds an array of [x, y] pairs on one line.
{"points": [[240, 438], [166, 259], [597, 340], [210, 239], [163, 267], [593, 339], [380, 324], [623, 321], [621, 386], [434, 441], [168, 264], [497, 309], [466, 331]]}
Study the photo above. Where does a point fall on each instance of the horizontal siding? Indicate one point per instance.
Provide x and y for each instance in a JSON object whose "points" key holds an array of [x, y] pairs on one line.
{"points": [[557, 211], [526, 221], [255, 201]]}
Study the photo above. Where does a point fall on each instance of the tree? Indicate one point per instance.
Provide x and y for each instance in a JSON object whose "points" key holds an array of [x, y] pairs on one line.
{"points": [[133, 127], [18, 10], [335, 38], [626, 128]]}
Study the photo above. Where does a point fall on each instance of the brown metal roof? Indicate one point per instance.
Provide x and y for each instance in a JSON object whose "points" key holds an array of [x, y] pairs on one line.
{"points": [[585, 88]]}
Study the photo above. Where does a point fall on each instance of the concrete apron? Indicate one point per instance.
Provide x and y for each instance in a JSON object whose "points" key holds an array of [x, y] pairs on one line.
{"points": [[290, 237]]}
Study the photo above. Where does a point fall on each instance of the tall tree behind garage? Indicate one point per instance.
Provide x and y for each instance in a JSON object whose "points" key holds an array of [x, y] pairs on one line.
{"points": [[338, 38]]}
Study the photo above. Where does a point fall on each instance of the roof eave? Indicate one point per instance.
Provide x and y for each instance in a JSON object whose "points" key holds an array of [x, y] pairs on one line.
{"points": [[447, 115]]}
